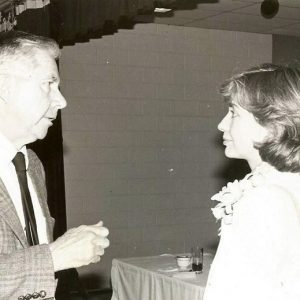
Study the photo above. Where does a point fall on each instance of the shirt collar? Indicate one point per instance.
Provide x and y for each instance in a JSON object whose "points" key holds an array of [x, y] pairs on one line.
{"points": [[8, 151]]}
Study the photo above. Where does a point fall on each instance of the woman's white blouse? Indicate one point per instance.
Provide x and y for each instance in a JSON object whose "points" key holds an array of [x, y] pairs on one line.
{"points": [[258, 257]]}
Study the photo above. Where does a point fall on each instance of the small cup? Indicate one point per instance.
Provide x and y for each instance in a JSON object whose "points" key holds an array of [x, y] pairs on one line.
{"points": [[183, 261]]}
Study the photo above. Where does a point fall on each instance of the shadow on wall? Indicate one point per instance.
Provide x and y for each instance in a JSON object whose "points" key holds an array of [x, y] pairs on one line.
{"points": [[213, 246], [92, 280], [231, 169], [71, 287]]}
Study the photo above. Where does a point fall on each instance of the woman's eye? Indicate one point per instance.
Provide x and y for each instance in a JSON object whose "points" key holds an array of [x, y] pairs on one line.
{"points": [[233, 113]]}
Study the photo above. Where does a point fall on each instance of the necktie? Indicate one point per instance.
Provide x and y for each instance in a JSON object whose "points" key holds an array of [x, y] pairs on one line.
{"points": [[30, 223]]}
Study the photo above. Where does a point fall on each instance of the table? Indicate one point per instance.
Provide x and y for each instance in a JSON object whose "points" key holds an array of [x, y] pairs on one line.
{"points": [[156, 278]]}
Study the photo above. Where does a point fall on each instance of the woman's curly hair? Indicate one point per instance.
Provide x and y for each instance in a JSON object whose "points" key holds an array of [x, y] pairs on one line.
{"points": [[272, 94]]}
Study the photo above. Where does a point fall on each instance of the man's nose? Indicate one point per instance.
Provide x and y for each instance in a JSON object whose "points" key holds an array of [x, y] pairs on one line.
{"points": [[60, 101]]}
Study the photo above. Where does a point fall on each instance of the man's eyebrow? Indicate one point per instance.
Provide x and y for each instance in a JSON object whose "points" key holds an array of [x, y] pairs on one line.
{"points": [[52, 77]]}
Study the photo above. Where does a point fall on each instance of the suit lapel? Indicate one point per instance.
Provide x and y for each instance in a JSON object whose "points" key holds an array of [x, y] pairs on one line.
{"points": [[10, 216], [9, 213], [40, 189]]}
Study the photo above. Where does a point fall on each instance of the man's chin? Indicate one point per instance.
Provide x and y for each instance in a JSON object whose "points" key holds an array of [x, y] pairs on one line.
{"points": [[40, 134]]}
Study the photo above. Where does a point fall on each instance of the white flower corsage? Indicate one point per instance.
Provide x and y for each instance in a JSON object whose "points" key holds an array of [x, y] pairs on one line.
{"points": [[232, 193], [227, 197]]}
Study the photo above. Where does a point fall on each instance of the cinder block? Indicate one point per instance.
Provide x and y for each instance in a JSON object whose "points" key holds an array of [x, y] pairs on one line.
{"points": [[196, 123], [110, 155], [172, 32], [129, 74], [88, 72], [141, 218], [142, 123], [171, 61], [163, 233], [157, 201], [157, 107], [142, 249], [149, 28], [187, 108], [142, 91], [111, 123], [116, 220], [143, 59], [170, 247], [112, 57], [126, 235], [158, 76], [169, 92], [142, 154], [152, 139], [172, 123], [197, 62], [80, 54], [170, 217], [170, 155], [89, 89], [195, 154]]}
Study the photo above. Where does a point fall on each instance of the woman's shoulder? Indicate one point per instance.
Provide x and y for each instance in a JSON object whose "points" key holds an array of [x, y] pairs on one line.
{"points": [[271, 210], [274, 186], [274, 198], [264, 193]]}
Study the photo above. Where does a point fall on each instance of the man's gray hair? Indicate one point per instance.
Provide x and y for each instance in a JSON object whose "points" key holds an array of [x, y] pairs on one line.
{"points": [[19, 45]]}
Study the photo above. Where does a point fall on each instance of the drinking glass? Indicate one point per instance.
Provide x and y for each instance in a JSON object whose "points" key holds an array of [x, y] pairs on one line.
{"points": [[197, 259]]}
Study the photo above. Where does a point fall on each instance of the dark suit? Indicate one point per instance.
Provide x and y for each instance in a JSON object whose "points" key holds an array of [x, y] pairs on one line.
{"points": [[25, 270]]}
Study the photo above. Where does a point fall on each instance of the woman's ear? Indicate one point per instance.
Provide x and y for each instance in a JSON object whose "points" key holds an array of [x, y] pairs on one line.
{"points": [[263, 134], [274, 132]]}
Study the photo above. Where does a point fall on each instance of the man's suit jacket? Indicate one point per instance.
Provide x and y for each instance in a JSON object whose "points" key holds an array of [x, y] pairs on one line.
{"points": [[25, 270]]}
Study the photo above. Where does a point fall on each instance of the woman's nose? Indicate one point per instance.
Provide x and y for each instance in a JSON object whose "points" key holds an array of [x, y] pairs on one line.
{"points": [[223, 125]]}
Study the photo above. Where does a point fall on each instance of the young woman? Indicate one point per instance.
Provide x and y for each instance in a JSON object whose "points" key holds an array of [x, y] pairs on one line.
{"points": [[258, 257]]}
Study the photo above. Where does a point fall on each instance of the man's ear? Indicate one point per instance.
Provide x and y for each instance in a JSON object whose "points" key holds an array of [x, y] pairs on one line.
{"points": [[4, 88]]}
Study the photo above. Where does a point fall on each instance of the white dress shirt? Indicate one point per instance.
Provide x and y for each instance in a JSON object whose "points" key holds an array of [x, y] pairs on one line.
{"points": [[9, 177]]}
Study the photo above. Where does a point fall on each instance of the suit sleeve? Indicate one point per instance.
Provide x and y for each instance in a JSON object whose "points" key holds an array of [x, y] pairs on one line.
{"points": [[27, 272]]}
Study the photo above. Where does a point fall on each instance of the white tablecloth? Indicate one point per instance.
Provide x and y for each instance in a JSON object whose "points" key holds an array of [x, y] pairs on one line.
{"points": [[156, 278]]}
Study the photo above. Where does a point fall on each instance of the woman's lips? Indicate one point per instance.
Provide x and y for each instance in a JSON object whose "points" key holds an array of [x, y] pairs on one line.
{"points": [[226, 141]]}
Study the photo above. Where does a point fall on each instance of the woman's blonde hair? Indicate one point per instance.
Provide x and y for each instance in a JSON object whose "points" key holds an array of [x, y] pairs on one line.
{"points": [[272, 94]]}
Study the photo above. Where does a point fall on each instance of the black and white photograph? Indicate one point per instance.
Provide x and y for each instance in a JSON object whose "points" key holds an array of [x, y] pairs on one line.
{"points": [[150, 149]]}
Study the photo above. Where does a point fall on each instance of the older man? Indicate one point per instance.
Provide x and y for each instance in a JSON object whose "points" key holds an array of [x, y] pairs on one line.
{"points": [[29, 102]]}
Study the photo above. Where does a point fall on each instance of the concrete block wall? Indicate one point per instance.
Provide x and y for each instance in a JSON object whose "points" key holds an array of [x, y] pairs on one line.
{"points": [[141, 148]]}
